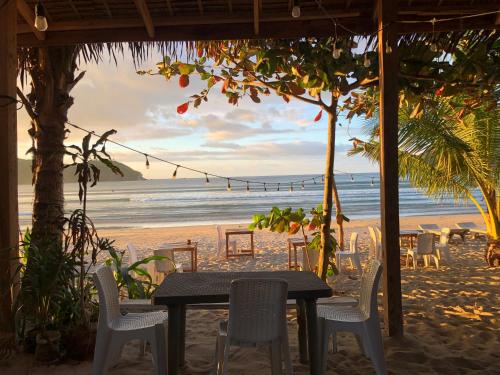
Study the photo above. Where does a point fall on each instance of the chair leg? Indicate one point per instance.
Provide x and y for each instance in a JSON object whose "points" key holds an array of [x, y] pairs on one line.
{"points": [[286, 354], [339, 263], [426, 260], [276, 368], [362, 345], [159, 349], [407, 260], [99, 365], [357, 262], [436, 261], [376, 346]]}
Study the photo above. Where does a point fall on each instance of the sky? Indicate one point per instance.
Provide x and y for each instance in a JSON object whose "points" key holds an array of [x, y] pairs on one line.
{"points": [[270, 138]]}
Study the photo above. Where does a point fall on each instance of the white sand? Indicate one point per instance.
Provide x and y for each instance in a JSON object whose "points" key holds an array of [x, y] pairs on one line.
{"points": [[451, 315]]}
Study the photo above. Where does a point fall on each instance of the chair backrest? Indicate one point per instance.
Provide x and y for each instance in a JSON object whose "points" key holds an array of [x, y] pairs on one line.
{"points": [[257, 310], [132, 254], [379, 233], [369, 288], [353, 243], [166, 265], [373, 236], [109, 304], [445, 236], [425, 243], [466, 225], [310, 258]]}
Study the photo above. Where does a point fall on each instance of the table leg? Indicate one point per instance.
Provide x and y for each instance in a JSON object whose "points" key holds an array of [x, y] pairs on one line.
{"points": [[302, 331], [296, 265], [289, 255], [174, 329], [182, 335], [227, 245], [251, 245], [312, 337]]}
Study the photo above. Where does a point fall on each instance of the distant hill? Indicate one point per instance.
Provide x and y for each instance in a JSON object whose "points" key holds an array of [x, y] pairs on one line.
{"points": [[24, 173]]}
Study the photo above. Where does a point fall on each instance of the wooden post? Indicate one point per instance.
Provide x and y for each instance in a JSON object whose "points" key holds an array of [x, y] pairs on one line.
{"points": [[389, 190], [9, 237]]}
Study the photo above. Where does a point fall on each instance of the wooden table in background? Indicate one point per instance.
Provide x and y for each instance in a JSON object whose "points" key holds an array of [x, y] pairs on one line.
{"points": [[237, 231], [410, 235], [181, 289], [191, 247], [294, 243]]}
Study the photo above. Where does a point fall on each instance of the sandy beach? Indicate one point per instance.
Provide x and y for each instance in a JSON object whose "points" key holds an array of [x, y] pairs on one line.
{"points": [[452, 315]]}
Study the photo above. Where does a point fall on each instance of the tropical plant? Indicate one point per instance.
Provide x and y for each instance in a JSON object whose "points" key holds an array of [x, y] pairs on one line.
{"points": [[292, 222], [136, 287], [452, 148], [81, 233]]}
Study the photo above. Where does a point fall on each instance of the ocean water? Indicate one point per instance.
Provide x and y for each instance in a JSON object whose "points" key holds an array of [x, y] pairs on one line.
{"points": [[181, 201]]}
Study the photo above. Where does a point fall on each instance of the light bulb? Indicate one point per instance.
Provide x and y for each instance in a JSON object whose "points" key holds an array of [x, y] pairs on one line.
{"points": [[372, 182], [291, 187], [265, 189], [367, 61], [40, 19], [296, 11], [248, 188], [174, 175], [228, 185], [303, 187], [147, 162], [352, 178], [278, 187], [388, 48], [206, 178], [434, 47], [336, 52]]}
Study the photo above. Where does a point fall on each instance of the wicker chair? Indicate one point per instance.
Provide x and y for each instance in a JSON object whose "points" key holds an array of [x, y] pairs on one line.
{"points": [[114, 329], [352, 254], [257, 315], [362, 320]]}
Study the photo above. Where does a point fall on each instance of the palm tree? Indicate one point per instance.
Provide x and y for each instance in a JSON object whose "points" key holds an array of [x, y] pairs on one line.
{"points": [[452, 148]]}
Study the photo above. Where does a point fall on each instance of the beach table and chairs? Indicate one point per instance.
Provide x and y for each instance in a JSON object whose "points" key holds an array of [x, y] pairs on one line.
{"points": [[425, 249], [241, 252], [472, 228], [293, 244], [181, 289], [183, 247], [352, 254], [436, 230], [410, 236]]}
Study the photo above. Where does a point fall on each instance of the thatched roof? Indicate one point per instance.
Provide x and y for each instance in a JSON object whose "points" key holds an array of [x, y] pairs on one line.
{"points": [[96, 21]]}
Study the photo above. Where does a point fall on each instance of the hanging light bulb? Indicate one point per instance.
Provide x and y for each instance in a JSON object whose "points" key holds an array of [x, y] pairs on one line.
{"points": [[174, 175], [314, 180], [278, 187], [434, 46], [147, 161], [206, 179], [228, 185], [265, 189], [367, 61], [302, 186], [40, 19], [296, 9], [352, 178], [371, 183], [291, 186], [248, 187], [323, 178], [388, 48], [336, 51]]}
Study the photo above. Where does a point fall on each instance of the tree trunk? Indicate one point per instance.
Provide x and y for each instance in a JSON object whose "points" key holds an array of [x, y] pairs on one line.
{"points": [[52, 72], [326, 247]]}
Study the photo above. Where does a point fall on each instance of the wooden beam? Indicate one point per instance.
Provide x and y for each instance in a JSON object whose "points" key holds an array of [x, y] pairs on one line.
{"points": [[143, 10], [200, 7], [230, 6], [256, 12], [28, 15], [9, 237], [389, 177]]}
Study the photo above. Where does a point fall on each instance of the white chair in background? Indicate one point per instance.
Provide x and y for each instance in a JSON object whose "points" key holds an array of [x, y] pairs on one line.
{"points": [[430, 228], [352, 254], [133, 257], [310, 259], [221, 243], [425, 249], [362, 320], [114, 330], [443, 248], [376, 247], [165, 266], [257, 315]]}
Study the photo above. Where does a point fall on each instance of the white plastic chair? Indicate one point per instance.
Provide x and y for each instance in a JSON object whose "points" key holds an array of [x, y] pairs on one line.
{"points": [[376, 248], [115, 330], [165, 266], [221, 243], [362, 320], [352, 254], [430, 228], [443, 248], [425, 249], [133, 257], [257, 315], [310, 259]]}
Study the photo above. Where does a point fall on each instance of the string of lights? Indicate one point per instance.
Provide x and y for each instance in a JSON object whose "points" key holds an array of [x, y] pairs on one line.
{"points": [[318, 179]]}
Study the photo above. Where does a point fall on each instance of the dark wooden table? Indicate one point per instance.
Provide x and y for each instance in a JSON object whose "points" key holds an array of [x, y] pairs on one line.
{"points": [[181, 289], [239, 231]]}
